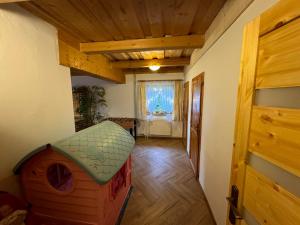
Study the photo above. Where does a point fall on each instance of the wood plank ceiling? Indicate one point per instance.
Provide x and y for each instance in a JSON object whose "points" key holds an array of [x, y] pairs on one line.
{"points": [[81, 21]]}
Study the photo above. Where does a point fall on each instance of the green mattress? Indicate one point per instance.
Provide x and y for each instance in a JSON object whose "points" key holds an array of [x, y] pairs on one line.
{"points": [[100, 150]]}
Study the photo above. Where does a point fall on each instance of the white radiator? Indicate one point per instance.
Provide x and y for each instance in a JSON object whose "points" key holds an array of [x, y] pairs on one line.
{"points": [[160, 128]]}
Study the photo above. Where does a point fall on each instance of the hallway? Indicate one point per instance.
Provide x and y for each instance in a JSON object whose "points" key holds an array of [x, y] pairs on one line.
{"points": [[165, 190]]}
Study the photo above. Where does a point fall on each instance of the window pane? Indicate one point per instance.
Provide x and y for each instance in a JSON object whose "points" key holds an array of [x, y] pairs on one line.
{"points": [[160, 97]]}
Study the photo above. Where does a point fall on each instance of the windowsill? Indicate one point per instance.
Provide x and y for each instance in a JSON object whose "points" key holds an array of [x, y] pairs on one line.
{"points": [[166, 117]]}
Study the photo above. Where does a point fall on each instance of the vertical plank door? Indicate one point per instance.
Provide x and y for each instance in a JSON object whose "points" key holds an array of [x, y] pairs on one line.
{"points": [[265, 175]]}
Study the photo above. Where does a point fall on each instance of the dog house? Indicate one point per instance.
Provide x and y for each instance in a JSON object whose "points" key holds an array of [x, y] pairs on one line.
{"points": [[81, 180]]}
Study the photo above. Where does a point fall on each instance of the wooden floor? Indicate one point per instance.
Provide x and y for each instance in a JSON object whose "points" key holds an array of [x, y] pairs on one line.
{"points": [[165, 190]]}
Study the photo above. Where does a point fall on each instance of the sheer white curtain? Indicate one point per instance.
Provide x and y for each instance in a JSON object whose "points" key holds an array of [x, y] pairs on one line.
{"points": [[141, 101], [178, 101], [160, 97]]}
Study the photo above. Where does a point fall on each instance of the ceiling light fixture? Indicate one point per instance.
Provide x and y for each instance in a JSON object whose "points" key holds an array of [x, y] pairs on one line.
{"points": [[154, 67]]}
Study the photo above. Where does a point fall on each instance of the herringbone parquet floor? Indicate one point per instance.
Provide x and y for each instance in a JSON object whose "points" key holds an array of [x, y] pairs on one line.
{"points": [[165, 190]]}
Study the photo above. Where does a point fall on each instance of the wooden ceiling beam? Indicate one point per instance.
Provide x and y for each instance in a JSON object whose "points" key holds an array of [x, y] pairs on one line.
{"points": [[148, 44], [13, 1], [96, 65], [178, 69], [148, 62]]}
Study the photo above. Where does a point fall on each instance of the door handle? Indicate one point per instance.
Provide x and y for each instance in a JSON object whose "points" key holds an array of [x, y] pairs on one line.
{"points": [[235, 211], [233, 202]]}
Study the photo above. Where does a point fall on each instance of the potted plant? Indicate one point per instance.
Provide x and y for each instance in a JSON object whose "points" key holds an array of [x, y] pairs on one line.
{"points": [[90, 104]]}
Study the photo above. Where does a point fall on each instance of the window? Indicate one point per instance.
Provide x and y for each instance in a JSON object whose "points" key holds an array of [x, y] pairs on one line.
{"points": [[160, 97], [60, 177]]}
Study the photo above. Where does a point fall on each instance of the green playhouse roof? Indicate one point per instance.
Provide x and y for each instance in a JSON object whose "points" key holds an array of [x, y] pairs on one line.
{"points": [[100, 150]]}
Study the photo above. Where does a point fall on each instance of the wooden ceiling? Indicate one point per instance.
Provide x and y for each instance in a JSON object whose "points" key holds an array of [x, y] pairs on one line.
{"points": [[109, 38], [115, 20]]}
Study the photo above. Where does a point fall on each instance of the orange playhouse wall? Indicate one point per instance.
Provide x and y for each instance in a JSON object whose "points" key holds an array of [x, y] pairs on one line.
{"points": [[86, 204]]}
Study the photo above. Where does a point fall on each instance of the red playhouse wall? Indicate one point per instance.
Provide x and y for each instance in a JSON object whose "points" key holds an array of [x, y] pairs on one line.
{"points": [[81, 202]]}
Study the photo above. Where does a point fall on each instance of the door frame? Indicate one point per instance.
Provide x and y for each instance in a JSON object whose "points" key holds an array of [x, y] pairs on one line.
{"points": [[186, 86], [201, 77]]}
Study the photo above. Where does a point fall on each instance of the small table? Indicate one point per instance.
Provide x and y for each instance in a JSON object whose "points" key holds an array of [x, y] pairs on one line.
{"points": [[126, 123]]}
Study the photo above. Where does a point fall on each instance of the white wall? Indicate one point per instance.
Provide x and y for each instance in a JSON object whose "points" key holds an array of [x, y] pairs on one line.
{"points": [[120, 97], [221, 65], [35, 92], [157, 76]]}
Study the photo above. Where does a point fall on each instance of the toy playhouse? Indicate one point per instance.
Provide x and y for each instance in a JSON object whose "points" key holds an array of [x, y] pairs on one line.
{"points": [[81, 180]]}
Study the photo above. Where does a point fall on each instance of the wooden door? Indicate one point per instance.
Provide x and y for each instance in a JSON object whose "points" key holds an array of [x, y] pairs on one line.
{"points": [[196, 120], [185, 112], [265, 184]]}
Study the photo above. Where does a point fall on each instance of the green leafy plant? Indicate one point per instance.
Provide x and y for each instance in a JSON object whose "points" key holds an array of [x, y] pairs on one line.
{"points": [[91, 101]]}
